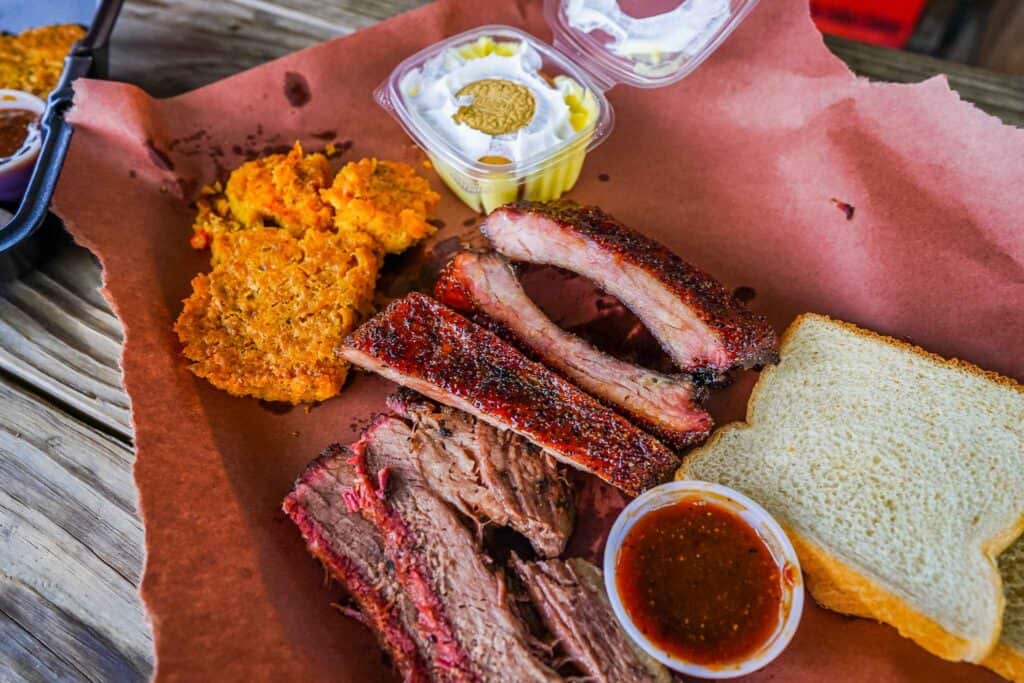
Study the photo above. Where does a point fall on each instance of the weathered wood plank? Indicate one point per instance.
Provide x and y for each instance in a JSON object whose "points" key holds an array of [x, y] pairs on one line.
{"points": [[168, 47], [70, 548], [93, 656], [998, 94], [26, 659], [59, 335]]}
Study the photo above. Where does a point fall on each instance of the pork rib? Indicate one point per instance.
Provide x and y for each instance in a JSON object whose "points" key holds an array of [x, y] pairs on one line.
{"points": [[571, 599], [702, 327], [462, 606], [491, 475], [422, 344], [484, 285], [352, 550]]}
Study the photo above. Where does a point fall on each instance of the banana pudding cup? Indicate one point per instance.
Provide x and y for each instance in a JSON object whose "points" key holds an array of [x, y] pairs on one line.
{"points": [[501, 115]]}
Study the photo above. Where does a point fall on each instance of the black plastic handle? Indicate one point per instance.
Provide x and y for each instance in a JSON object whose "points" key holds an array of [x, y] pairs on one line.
{"points": [[56, 131], [35, 202], [101, 27]]}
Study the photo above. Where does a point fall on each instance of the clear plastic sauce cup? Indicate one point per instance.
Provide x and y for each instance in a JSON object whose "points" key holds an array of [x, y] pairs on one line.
{"points": [[774, 538], [505, 116]]}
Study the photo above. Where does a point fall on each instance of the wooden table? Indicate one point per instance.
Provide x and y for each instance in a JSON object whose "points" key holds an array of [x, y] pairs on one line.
{"points": [[70, 540]]}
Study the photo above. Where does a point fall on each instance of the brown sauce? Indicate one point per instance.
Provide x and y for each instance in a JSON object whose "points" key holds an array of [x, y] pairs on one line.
{"points": [[699, 583], [14, 127]]}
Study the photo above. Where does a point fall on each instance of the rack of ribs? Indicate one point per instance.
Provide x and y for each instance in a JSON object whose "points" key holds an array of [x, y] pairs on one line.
{"points": [[426, 346], [702, 327], [484, 287]]}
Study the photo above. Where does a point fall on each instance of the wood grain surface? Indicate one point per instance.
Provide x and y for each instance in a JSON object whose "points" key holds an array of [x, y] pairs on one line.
{"points": [[70, 540]]}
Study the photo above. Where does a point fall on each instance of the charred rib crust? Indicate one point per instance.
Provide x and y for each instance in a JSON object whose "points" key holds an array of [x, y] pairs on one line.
{"points": [[747, 338], [416, 336]]}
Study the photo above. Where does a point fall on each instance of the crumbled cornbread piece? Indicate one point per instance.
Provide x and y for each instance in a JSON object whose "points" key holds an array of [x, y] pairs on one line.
{"points": [[266, 320], [291, 278], [33, 60], [384, 198], [281, 190], [213, 218]]}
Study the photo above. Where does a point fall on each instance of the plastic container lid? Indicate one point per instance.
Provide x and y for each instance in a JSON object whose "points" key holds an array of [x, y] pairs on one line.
{"points": [[767, 528], [649, 44]]}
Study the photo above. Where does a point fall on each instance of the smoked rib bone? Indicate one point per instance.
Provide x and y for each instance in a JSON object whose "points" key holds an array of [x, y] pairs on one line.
{"points": [[485, 287], [702, 327]]}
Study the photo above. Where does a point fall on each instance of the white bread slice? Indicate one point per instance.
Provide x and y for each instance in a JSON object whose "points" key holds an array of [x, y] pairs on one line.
{"points": [[899, 476], [1007, 659]]}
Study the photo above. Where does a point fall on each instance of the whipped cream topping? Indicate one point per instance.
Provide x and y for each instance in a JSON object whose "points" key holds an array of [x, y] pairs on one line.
{"points": [[431, 94], [676, 34]]}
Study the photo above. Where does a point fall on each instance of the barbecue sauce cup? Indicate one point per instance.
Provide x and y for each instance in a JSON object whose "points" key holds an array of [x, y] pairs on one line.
{"points": [[20, 140], [703, 579]]}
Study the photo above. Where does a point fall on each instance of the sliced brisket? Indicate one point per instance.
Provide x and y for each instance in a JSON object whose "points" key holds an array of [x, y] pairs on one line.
{"points": [[699, 323], [570, 597], [462, 605], [491, 475], [352, 550], [426, 346], [485, 285]]}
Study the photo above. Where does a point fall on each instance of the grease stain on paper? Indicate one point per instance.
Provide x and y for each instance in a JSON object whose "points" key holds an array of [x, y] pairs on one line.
{"points": [[296, 89]]}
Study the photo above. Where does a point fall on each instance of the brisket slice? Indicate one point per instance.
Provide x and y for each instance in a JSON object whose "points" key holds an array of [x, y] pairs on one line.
{"points": [[352, 550], [428, 347], [486, 287], [491, 475], [570, 597], [462, 605], [701, 326]]}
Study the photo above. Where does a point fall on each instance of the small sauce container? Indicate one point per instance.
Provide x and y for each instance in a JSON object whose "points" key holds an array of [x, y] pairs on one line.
{"points": [[19, 158], [703, 579], [504, 116]]}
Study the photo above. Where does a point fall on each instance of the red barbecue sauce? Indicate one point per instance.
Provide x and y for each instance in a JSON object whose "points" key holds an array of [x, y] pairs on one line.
{"points": [[700, 583], [14, 127]]}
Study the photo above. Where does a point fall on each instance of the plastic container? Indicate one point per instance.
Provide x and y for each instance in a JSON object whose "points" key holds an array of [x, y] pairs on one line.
{"points": [[596, 46], [16, 169], [790, 578], [33, 231]]}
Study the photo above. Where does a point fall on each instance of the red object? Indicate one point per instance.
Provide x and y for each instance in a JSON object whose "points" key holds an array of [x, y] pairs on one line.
{"points": [[882, 22]]}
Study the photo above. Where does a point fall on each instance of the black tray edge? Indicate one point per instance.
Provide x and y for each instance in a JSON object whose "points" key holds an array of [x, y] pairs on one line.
{"points": [[87, 57]]}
